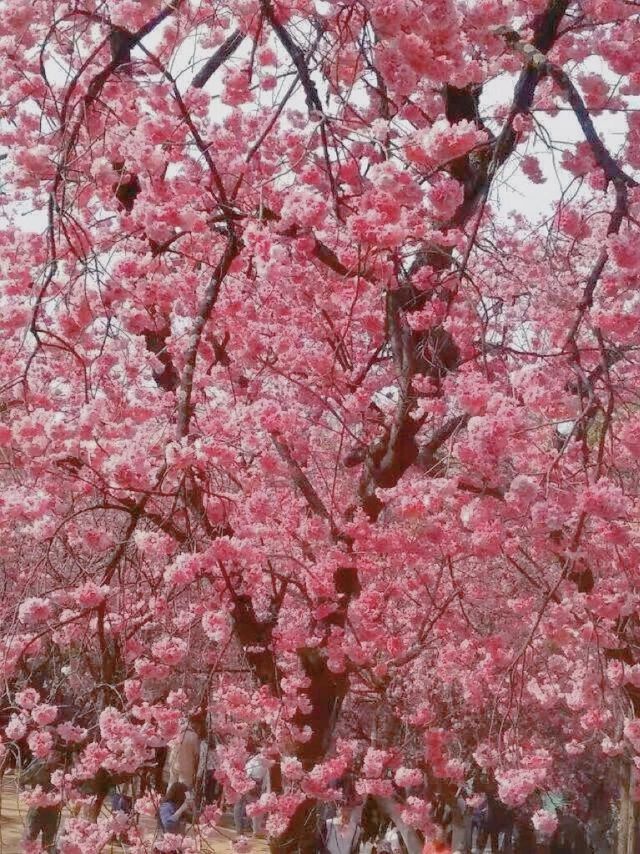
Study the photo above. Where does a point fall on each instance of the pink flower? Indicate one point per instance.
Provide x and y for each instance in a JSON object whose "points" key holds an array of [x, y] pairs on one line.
{"points": [[445, 197], [34, 610], [70, 733], [215, 625], [36, 797], [596, 90], [177, 699], [580, 161], [269, 82], [113, 724], [531, 168], [443, 142], [625, 250], [516, 784], [630, 435], [304, 206], [605, 499], [236, 87], [133, 690], [473, 393], [632, 732], [374, 762], [37, 162], [292, 768], [145, 806], [381, 787], [40, 742], [416, 812], [544, 822], [522, 491], [573, 223], [183, 570], [170, 650], [150, 670], [574, 748], [267, 56], [406, 777], [44, 714], [89, 595], [454, 769], [210, 817], [16, 728], [172, 842], [28, 698]]}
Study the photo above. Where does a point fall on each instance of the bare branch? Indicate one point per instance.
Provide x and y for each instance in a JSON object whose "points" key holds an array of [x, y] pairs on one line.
{"points": [[300, 479], [224, 52], [204, 313]]}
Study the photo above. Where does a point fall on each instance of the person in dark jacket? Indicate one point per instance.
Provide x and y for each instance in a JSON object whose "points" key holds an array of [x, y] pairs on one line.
{"points": [[524, 835], [489, 821], [42, 822], [569, 836]]}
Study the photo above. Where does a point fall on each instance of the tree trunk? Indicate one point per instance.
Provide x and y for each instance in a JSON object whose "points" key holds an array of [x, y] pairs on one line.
{"points": [[301, 836], [627, 811], [410, 838]]}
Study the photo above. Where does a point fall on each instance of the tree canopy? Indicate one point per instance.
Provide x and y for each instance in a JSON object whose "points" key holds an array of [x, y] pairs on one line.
{"points": [[319, 392]]}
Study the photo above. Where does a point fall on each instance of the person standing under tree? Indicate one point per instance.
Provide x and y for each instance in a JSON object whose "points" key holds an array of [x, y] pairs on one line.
{"points": [[569, 836], [42, 821], [343, 831], [184, 756], [257, 769]]}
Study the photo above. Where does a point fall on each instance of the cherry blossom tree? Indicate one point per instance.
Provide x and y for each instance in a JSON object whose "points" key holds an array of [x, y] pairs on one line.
{"points": [[319, 377]]}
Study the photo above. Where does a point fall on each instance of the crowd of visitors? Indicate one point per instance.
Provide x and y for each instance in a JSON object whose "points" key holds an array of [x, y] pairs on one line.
{"points": [[183, 781], [460, 828]]}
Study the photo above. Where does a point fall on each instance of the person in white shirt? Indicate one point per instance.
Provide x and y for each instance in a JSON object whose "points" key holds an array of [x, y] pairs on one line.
{"points": [[257, 769], [343, 830], [392, 840], [461, 824]]}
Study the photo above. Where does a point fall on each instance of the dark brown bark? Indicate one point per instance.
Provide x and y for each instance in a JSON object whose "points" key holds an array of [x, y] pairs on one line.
{"points": [[224, 52], [168, 378], [301, 836]]}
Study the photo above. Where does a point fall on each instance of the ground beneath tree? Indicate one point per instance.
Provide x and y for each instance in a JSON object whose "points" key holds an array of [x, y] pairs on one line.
{"points": [[12, 822]]}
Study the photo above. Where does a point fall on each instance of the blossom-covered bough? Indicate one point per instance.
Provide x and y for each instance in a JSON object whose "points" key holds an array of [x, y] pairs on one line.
{"points": [[304, 425]]}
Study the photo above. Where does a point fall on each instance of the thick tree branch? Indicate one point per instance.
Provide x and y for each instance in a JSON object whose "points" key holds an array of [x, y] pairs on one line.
{"points": [[297, 56], [300, 479], [224, 52], [204, 313]]}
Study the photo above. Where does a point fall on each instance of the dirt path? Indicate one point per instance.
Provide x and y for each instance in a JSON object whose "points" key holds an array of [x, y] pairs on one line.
{"points": [[12, 822]]}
